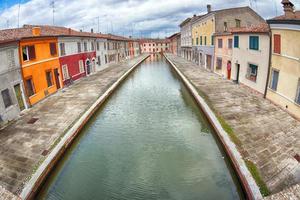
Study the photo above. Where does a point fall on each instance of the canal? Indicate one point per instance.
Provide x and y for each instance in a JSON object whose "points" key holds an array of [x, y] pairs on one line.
{"points": [[148, 141]]}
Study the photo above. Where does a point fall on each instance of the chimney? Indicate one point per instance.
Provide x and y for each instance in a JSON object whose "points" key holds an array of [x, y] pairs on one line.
{"points": [[36, 31], [208, 8], [288, 8], [92, 30]]}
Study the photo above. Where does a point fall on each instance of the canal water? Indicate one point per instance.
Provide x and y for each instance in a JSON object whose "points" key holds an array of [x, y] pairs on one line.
{"points": [[149, 141]]}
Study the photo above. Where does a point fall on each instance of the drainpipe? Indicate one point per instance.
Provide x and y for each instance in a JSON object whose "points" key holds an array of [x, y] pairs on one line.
{"points": [[270, 60]]}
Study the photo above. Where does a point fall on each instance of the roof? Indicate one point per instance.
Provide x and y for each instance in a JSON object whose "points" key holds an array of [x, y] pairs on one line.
{"points": [[284, 17], [25, 32], [174, 35], [228, 9], [185, 21], [260, 28]]}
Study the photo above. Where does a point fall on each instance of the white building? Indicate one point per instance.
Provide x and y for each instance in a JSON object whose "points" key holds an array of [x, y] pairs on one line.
{"points": [[101, 53], [12, 98], [251, 46]]}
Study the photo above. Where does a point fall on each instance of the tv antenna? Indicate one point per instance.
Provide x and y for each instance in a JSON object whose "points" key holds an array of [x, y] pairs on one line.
{"points": [[52, 4]]}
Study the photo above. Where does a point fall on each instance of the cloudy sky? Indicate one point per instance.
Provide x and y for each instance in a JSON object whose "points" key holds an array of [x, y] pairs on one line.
{"points": [[147, 18]]}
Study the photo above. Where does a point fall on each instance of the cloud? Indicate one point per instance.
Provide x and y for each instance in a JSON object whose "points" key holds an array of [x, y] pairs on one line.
{"points": [[155, 18]]}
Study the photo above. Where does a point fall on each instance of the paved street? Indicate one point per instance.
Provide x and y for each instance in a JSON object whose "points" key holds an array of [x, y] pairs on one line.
{"points": [[268, 136], [23, 145]]}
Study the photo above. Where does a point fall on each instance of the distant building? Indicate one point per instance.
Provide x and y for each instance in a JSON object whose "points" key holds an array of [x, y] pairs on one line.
{"points": [[250, 56], [155, 45], [175, 45], [284, 80], [12, 99], [101, 53], [216, 22]]}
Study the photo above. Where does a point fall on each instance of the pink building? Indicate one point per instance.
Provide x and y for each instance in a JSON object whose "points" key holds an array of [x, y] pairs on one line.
{"points": [[223, 54], [155, 45], [175, 43]]}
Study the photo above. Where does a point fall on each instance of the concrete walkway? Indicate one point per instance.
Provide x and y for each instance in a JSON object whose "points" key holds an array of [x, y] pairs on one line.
{"points": [[23, 144], [266, 135]]}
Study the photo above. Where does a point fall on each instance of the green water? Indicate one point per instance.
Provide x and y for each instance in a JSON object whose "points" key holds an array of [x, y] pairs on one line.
{"points": [[149, 141]]}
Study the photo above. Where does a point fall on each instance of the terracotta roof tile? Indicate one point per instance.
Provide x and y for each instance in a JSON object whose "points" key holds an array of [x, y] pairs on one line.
{"points": [[284, 17], [51, 31]]}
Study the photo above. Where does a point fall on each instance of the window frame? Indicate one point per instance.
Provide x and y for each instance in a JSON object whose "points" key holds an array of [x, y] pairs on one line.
{"points": [[274, 42], [254, 44], [236, 41], [220, 43], [51, 78], [230, 41], [53, 49], [249, 75], [272, 79], [62, 49], [32, 86], [8, 97]]}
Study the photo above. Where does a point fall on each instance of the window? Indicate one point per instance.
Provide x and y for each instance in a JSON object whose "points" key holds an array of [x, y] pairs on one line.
{"points": [[212, 40], [49, 78], [105, 45], [237, 23], [197, 41], [236, 41], [98, 46], [220, 43], [297, 100], [277, 43], [229, 43], [205, 40], [200, 40], [85, 46], [274, 79], [81, 66], [92, 46], [28, 53], [6, 98], [99, 60], [105, 59], [252, 72], [225, 26], [53, 50], [65, 72], [62, 49], [78, 47], [254, 42], [219, 63], [192, 41], [29, 87]]}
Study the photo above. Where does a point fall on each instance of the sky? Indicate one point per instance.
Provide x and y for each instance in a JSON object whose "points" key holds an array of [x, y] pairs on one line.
{"points": [[138, 18]]}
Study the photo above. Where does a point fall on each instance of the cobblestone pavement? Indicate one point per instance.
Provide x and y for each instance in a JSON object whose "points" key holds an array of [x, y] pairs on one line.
{"points": [[290, 194], [268, 135], [6, 195], [24, 145]]}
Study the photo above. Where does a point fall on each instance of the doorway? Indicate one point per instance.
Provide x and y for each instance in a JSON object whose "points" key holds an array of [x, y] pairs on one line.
{"points": [[229, 70], [88, 67], [18, 93], [56, 76], [208, 62], [237, 73]]}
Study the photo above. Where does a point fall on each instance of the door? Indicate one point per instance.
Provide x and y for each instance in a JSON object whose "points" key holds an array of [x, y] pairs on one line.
{"points": [[228, 70], [56, 76], [208, 62], [18, 93], [237, 73], [88, 67]]}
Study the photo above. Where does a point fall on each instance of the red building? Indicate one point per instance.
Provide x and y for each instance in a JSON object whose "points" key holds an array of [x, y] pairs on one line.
{"points": [[175, 43]]}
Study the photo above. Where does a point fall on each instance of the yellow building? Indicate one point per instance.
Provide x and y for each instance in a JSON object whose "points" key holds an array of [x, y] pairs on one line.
{"points": [[217, 22], [284, 79]]}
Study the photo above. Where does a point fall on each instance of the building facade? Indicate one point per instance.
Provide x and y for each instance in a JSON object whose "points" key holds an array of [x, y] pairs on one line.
{"points": [[250, 57], [13, 99], [77, 57], [223, 54], [284, 80], [205, 27], [101, 53], [175, 44], [155, 45]]}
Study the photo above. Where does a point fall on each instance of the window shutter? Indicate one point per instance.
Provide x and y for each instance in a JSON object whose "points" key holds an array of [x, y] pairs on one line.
{"points": [[277, 43], [53, 49], [31, 52]]}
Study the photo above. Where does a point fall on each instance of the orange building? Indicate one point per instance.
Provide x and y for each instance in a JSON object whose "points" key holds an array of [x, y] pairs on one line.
{"points": [[40, 66]]}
